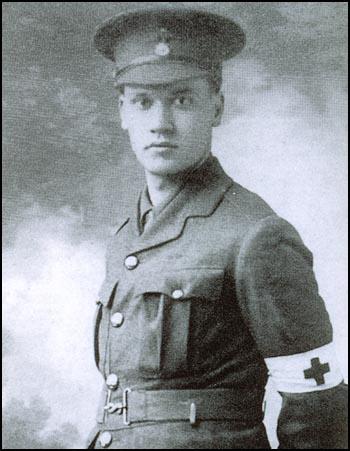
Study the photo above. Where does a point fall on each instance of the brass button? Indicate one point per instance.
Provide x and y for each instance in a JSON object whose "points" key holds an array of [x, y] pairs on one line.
{"points": [[105, 439], [117, 319], [131, 262], [112, 381], [177, 294]]}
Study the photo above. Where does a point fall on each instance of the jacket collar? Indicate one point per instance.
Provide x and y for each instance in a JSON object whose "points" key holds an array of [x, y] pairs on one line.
{"points": [[200, 195]]}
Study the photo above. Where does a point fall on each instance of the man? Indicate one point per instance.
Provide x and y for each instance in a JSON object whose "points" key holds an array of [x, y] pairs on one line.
{"points": [[207, 290]]}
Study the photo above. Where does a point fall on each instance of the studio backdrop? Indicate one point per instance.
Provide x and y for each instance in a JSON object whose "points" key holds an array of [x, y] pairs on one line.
{"points": [[69, 174]]}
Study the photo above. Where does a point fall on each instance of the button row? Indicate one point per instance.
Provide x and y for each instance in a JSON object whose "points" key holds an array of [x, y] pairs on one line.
{"points": [[117, 320]]}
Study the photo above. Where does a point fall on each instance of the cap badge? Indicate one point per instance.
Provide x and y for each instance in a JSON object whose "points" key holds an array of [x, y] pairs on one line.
{"points": [[162, 48]]}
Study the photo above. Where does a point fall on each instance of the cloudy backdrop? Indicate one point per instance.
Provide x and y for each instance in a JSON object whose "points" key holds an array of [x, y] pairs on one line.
{"points": [[68, 173]]}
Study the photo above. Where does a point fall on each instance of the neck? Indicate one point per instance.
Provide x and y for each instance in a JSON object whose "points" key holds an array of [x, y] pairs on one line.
{"points": [[163, 187]]}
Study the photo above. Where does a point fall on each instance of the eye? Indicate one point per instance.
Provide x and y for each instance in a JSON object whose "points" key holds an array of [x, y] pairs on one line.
{"points": [[143, 103], [183, 100]]}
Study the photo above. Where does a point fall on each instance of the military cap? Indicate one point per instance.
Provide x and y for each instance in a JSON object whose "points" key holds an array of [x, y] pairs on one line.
{"points": [[162, 45]]}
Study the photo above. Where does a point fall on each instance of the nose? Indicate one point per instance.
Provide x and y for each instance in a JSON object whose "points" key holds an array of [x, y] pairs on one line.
{"points": [[163, 121]]}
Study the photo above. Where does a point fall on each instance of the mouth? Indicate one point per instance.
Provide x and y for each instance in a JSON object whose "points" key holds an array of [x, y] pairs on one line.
{"points": [[162, 145]]}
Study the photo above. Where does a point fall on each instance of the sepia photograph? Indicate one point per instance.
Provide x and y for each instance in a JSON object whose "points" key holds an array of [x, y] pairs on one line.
{"points": [[175, 225]]}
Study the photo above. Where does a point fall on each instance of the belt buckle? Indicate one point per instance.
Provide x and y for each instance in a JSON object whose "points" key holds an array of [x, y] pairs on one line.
{"points": [[120, 407]]}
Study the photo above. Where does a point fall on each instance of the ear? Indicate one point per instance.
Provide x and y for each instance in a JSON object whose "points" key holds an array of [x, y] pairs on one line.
{"points": [[122, 114], [219, 103]]}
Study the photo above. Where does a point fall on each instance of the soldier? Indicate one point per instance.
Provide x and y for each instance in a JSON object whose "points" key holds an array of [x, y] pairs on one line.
{"points": [[207, 290]]}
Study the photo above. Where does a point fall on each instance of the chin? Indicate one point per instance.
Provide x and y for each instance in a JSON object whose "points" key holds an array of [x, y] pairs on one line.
{"points": [[164, 167]]}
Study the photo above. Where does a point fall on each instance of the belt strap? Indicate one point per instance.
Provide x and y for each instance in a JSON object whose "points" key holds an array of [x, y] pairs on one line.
{"points": [[244, 406]]}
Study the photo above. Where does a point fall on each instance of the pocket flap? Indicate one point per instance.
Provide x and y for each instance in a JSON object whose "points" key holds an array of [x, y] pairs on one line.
{"points": [[182, 283]]}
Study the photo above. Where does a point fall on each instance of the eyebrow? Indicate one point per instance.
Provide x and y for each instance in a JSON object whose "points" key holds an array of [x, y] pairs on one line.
{"points": [[175, 92], [181, 91], [139, 95]]}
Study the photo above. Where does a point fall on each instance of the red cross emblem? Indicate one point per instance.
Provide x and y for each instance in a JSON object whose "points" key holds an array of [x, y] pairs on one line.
{"points": [[317, 371]]}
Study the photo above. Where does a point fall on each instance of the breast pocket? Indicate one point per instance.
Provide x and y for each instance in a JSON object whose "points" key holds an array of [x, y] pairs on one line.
{"points": [[167, 300]]}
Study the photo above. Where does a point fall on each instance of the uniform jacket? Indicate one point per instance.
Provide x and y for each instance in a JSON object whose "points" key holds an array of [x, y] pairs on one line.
{"points": [[220, 283]]}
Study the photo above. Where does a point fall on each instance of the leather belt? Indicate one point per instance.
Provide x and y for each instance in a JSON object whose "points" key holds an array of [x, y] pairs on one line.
{"points": [[243, 406]]}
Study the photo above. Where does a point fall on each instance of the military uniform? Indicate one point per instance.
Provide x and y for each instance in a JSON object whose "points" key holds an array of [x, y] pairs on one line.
{"points": [[203, 297]]}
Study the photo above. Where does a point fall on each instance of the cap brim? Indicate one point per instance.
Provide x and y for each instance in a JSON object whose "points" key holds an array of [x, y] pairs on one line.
{"points": [[154, 74]]}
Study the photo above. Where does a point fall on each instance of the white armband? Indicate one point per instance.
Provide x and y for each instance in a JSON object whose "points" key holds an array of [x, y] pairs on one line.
{"points": [[305, 372]]}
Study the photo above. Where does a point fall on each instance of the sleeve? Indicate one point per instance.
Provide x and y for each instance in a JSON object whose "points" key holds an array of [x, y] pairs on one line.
{"points": [[279, 299]]}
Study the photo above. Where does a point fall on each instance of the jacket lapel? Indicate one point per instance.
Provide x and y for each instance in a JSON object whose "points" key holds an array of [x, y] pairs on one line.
{"points": [[201, 194]]}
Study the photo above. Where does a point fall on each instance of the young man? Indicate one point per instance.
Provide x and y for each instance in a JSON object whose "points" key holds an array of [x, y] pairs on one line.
{"points": [[207, 290]]}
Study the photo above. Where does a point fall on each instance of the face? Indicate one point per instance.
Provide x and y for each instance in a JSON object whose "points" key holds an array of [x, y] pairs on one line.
{"points": [[170, 126]]}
